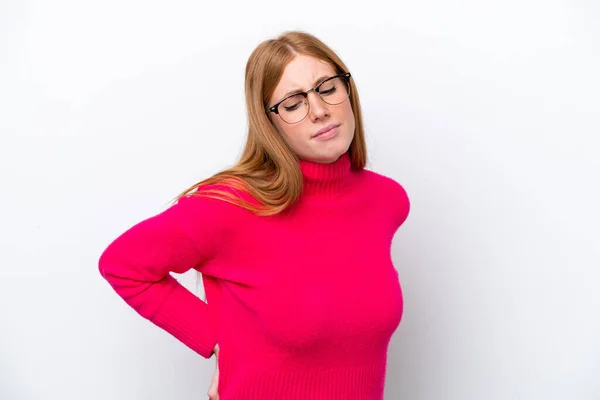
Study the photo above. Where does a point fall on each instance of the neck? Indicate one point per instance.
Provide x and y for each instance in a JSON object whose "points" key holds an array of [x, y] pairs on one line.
{"points": [[326, 179]]}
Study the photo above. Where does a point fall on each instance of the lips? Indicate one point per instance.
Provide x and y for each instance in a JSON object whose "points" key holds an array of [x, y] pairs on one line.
{"points": [[325, 129]]}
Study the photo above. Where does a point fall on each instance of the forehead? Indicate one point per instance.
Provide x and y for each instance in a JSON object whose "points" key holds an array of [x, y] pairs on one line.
{"points": [[302, 73]]}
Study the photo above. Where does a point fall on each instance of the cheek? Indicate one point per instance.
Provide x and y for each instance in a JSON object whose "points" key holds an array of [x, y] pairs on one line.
{"points": [[348, 116], [280, 128], [344, 113], [287, 132]]}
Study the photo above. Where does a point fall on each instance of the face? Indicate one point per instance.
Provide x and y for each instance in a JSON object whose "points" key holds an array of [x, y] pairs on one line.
{"points": [[302, 74]]}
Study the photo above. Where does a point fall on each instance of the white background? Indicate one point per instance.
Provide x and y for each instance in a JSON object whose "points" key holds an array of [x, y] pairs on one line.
{"points": [[486, 111]]}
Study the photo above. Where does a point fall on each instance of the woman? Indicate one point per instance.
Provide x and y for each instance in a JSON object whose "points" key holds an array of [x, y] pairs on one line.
{"points": [[292, 243]]}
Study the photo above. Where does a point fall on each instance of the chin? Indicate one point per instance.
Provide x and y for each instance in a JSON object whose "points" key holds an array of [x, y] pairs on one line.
{"points": [[329, 156], [329, 152]]}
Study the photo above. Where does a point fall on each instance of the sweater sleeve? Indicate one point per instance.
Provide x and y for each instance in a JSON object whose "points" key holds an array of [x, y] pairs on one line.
{"points": [[137, 264]]}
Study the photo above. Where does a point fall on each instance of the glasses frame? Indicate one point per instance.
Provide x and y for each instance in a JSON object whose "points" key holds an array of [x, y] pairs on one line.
{"points": [[275, 107]]}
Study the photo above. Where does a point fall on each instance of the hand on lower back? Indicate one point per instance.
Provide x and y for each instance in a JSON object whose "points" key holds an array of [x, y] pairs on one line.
{"points": [[213, 390]]}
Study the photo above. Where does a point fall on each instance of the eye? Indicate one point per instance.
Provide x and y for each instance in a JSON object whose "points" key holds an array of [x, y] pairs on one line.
{"points": [[292, 107], [328, 91], [293, 103], [328, 87]]}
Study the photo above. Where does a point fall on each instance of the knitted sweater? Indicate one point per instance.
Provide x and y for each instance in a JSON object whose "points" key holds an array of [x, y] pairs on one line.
{"points": [[302, 304]]}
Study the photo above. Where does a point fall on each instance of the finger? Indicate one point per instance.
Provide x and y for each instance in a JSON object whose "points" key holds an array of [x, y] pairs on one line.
{"points": [[214, 396], [213, 390]]}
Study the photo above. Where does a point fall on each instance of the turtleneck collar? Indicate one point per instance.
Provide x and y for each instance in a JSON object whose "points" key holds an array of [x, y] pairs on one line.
{"points": [[326, 179]]}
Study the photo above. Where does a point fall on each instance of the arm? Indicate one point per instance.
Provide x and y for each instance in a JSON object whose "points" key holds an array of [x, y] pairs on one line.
{"points": [[137, 264]]}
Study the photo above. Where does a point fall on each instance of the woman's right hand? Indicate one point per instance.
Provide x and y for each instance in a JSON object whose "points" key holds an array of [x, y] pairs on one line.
{"points": [[213, 390]]}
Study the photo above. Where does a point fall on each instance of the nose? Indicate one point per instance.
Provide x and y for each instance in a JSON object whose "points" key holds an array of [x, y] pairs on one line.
{"points": [[318, 108]]}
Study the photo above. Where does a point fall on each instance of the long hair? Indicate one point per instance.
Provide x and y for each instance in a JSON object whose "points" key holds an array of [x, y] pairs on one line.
{"points": [[268, 169]]}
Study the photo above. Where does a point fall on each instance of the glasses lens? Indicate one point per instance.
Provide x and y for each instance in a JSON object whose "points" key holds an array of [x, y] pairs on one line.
{"points": [[294, 109], [334, 91]]}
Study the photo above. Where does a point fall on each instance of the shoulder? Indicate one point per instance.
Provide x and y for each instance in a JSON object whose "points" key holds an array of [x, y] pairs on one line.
{"points": [[385, 185], [208, 216], [389, 193], [217, 200]]}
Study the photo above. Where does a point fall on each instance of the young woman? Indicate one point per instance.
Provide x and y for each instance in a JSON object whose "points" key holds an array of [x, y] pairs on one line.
{"points": [[292, 243]]}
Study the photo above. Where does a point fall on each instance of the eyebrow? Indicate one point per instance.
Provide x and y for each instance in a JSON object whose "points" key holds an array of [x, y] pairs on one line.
{"points": [[319, 80]]}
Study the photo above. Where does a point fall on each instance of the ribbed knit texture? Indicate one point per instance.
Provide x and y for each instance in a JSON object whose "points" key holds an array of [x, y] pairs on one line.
{"points": [[303, 304]]}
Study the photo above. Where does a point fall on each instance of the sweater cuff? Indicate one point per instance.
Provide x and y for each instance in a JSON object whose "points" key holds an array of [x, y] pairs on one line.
{"points": [[187, 318]]}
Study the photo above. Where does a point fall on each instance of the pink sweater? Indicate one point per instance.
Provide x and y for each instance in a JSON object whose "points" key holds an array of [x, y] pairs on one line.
{"points": [[302, 304]]}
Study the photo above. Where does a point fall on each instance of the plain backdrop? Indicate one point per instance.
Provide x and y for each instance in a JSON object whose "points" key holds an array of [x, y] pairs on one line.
{"points": [[486, 111]]}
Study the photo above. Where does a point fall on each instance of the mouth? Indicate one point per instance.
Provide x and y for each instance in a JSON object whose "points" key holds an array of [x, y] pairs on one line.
{"points": [[327, 132]]}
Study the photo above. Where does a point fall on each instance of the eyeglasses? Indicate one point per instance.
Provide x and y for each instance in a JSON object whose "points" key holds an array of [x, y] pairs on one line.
{"points": [[294, 108]]}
